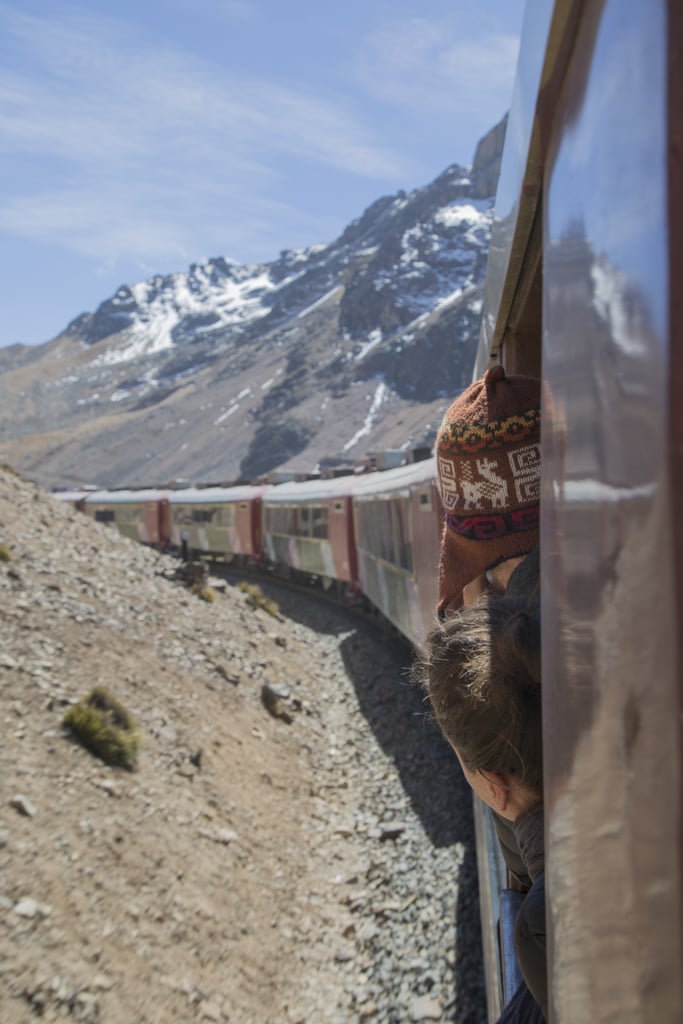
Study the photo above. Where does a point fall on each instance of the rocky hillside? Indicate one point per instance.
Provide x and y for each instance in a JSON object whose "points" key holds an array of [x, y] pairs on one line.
{"points": [[230, 370], [308, 863]]}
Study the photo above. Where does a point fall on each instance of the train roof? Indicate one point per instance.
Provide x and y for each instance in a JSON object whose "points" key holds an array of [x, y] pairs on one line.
{"points": [[71, 495], [201, 495], [367, 483], [401, 478], [311, 490], [125, 497]]}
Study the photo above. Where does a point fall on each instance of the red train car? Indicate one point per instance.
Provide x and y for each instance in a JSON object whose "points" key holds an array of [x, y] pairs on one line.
{"points": [[309, 527], [218, 522], [141, 515]]}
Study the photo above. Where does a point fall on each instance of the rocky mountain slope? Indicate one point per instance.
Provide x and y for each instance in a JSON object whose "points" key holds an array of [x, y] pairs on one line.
{"points": [[230, 370], [314, 867]]}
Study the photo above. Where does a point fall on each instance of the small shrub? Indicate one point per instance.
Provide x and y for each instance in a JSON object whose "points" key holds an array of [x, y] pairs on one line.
{"points": [[5, 553], [257, 599], [105, 727], [206, 593]]}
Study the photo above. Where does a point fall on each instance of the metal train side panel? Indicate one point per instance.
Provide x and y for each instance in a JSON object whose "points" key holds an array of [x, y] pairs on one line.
{"points": [[397, 519], [611, 609]]}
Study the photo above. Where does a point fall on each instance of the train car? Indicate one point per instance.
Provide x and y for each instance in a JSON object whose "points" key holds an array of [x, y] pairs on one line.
{"points": [[141, 515], [218, 522], [397, 523], [308, 527], [582, 291]]}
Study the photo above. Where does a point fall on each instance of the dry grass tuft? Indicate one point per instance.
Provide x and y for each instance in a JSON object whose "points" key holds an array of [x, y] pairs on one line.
{"points": [[105, 727], [257, 599], [5, 553]]}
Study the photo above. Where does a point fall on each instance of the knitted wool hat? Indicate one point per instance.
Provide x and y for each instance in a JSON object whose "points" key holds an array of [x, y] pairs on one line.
{"points": [[488, 459]]}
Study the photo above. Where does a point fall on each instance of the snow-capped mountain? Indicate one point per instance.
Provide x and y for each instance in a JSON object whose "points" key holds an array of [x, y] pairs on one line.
{"points": [[230, 370]]}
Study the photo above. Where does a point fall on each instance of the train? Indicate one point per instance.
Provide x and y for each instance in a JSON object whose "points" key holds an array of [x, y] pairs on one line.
{"points": [[373, 535], [581, 291]]}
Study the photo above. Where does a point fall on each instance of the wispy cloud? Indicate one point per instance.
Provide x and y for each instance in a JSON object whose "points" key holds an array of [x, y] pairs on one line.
{"points": [[426, 65], [135, 144]]}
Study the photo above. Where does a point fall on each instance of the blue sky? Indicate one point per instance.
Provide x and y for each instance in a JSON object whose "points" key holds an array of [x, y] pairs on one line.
{"points": [[139, 137]]}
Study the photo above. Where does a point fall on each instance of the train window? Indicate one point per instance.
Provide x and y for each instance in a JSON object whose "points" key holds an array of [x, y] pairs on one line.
{"points": [[297, 521], [339, 506], [384, 525], [105, 515], [320, 529], [404, 548], [244, 504], [225, 515], [177, 514], [425, 501], [281, 519], [202, 515], [270, 519], [134, 513], [180, 515]]}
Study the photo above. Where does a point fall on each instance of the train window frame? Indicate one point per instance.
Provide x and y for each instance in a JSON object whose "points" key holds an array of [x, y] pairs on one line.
{"points": [[385, 521], [308, 521]]}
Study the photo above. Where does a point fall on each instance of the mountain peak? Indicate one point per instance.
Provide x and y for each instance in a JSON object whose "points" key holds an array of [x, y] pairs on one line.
{"points": [[232, 368]]}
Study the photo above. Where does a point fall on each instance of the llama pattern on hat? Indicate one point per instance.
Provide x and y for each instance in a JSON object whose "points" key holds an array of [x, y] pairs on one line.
{"points": [[490, 491], [482, 484]]}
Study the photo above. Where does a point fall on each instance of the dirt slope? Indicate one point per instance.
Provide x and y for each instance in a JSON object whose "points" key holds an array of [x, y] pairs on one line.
{"points": [[234, 876]]}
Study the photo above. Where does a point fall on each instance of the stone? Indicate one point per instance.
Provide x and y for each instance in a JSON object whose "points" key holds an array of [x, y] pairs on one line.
{"points": [[426, 1008], [23, 805], [391, 829], [209, 1011], [27, 907], [225, 836]]}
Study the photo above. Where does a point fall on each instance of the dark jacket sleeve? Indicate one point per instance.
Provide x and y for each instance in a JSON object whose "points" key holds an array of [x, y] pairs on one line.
{"points": [[530, 942], [530, 930], [510, 849], [522, 1009], [529, 834]]}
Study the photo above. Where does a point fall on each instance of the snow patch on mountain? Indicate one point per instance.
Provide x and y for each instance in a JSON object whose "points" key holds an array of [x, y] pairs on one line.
{"points": [[379, 397]]}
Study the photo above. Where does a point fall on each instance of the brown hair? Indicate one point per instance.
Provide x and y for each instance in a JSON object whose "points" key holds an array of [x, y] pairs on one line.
{"points": [[482, 672]]}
